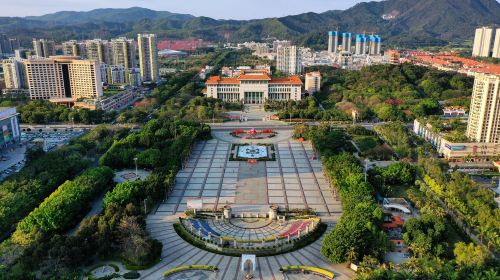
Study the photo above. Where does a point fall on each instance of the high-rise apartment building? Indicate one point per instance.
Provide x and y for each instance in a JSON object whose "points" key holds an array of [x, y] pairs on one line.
{"points": [[148, 57], [14, 73], [361, 44], [63, 78], [99, 50], [483, 40], [313, 82], [8, 45], [484, 116], [375, 45], [333, 41], [72, 48], [44, 48], [496, 45], [124, 52], [346, 41], [116, 74], [283, 43], [288, 60]]}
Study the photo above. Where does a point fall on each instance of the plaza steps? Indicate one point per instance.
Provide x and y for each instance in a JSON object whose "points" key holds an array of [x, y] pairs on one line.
{"points": [[239, 209]]}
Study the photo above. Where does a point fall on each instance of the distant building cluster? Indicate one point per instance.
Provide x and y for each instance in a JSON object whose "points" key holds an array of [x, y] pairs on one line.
{"points": [[8, 45], [486, 42], [364, 44], [450, 62], [84, 69]]}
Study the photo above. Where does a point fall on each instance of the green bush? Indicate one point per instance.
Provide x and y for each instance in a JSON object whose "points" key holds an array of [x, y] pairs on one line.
{"points": [[131, 275], [123, 194], [59, 211]]}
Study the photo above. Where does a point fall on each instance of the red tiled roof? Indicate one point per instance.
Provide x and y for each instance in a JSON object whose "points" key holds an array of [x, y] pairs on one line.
{"points": [[217, 80], [293, 80], [214, 80], [467, 64], [252, 77]]}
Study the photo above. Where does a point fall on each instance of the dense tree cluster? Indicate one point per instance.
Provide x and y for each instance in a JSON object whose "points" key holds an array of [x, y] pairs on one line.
{"points": [[393, 92], [42, 112], [396, 134], [473, 205], [397, 175], [358, 233], [305, 109], [59, 211], [22, 192]]}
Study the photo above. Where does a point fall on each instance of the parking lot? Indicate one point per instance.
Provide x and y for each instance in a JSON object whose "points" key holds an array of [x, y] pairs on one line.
{"points": [[50, 139]]}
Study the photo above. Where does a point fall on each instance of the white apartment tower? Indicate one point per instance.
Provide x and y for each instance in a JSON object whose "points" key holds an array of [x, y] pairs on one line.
{"points": [[124, 52], [313, 82], [288, 60], [148, 57], [333, 41], [14, 73], [483, 40], [496, 45], [63, 78], [484, 117]]}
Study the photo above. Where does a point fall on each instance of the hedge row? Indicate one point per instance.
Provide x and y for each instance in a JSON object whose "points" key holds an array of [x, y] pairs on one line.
{"points": [[64, 206]]}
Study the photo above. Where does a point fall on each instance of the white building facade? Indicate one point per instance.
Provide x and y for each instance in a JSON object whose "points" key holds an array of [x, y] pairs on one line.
{"points": [[254, 87]]}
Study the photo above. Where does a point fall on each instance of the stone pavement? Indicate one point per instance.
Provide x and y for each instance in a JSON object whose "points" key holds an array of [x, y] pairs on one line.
{"points": [[176, 252], [294, 180]]}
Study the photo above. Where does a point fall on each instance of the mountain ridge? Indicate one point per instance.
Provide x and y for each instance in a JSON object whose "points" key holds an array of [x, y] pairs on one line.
{"points": [[400, 22]]}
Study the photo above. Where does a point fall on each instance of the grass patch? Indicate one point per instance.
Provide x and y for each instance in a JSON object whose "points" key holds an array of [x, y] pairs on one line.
{"points": [[190, 267], [366, 143], [315, 270]]}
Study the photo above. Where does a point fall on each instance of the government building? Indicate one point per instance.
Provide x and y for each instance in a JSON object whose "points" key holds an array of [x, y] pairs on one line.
{"points": [[254, 87]]}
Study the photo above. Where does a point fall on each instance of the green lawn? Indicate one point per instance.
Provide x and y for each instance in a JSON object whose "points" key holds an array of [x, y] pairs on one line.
{"points": [[366, 143]]}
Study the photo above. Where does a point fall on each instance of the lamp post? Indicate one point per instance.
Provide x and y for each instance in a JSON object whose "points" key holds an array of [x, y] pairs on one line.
{"points": [[136, 172], [366, 168]]}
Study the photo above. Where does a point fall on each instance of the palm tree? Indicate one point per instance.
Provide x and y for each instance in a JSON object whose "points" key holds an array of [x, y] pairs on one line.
{"points": [[477, 275], [491, 275], [351, 254]]}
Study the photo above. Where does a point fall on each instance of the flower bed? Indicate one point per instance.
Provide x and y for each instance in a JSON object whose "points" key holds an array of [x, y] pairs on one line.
{"points": [[234, 156], [253, 134], [303, 268], [190, 267]]}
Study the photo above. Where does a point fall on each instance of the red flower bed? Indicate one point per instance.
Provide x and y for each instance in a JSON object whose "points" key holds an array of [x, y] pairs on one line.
{"points": [[238, 131], [267, 131]]}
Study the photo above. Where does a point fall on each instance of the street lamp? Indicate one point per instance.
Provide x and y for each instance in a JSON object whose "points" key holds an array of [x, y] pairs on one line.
{"points": [[366, 168], [136, 172]]}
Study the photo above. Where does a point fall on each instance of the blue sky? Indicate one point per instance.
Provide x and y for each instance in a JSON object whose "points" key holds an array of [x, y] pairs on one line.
{"points": [[220, 9]]}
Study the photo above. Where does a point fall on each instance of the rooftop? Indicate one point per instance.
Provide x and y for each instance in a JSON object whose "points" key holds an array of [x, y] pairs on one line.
{"points": [[292, 80], [452, 61]]}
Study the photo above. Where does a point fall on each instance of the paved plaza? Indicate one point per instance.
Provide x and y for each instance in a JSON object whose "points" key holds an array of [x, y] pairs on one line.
{"points": [[176, 252], [295, 180]]}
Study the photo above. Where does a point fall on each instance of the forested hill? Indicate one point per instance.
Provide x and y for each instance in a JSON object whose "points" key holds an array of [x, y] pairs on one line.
{"points": [[403, 22]]}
